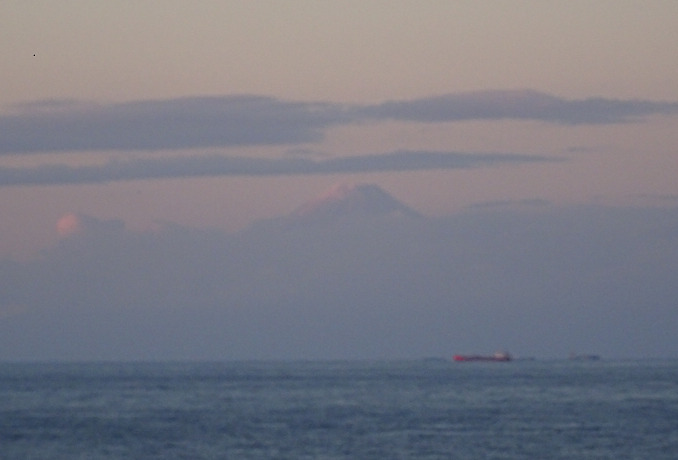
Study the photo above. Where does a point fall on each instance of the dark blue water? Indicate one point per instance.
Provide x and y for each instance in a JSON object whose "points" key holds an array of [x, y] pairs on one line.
{"points": [[385, 410]]}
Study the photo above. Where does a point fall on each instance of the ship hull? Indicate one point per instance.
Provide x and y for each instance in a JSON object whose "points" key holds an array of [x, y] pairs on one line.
{"points": [[493, 358]]}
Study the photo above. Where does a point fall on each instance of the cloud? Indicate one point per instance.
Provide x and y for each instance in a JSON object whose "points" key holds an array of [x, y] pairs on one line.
{"points": [[72, 224], [191, 122], [518, 105], [237, 120], [530, 202], [214, 165], [68, 225]]}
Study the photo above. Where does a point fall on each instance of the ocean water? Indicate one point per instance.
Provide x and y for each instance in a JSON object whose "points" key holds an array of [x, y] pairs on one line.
{"points": [[429, 409]]}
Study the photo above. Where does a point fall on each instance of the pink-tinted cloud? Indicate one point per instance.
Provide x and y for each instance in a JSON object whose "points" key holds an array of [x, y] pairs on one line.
{"points": [[69, 224]]}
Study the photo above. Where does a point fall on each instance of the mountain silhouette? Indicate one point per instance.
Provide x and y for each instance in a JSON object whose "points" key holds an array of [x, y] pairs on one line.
{"points": [[353, 201]]}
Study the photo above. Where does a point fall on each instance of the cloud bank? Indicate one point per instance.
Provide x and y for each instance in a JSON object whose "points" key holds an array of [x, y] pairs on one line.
{"points": [[540, 281], [519, 105], [191, 122], [223, 121], [214, 165]]}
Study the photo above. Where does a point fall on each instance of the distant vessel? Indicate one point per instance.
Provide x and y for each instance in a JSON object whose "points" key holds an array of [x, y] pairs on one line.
{"points": [[576, 357], [500, 356]]}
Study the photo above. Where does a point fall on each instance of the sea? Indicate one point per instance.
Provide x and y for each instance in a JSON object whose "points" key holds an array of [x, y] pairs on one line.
{"points": [[419, 409]]}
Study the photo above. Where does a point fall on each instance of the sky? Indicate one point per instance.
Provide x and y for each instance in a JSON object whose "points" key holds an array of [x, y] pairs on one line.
{"points": [[148, 117]]}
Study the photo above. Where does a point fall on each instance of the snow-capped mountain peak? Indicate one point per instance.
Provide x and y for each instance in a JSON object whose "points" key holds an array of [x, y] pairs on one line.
{"points": [[353, 200]]}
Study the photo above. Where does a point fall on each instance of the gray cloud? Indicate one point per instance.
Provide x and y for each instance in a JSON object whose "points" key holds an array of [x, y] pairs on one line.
{"points": [[519, 105], [165, 124], [218, 121], [214, 165]]}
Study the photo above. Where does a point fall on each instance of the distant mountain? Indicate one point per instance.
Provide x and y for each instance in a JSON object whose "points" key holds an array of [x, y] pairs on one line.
{"points": [[353, 200]]}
